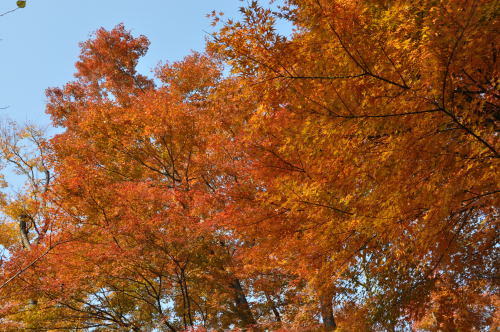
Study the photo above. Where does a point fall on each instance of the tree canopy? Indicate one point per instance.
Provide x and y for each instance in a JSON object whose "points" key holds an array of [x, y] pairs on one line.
{"points": [[343, 177]]}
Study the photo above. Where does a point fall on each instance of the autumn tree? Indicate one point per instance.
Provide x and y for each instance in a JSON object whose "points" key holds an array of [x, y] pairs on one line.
{"points": [[135, 193], [342, 177], [25, 226], [374, 134]]}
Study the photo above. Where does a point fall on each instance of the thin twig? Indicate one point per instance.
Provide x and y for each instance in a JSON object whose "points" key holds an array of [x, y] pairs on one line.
{"points": [[10, 11]]}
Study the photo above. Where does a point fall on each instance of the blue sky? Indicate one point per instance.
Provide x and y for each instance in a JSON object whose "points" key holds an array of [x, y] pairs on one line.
{"points": [[39, 44]]}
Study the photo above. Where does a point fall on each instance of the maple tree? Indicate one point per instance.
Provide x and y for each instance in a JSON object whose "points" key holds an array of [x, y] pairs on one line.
{"points": [[375, 131], [343, 177], [132, 190]]}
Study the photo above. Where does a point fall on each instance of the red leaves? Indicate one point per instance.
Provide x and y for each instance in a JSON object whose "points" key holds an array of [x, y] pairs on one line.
{"points": [[345, 171]]}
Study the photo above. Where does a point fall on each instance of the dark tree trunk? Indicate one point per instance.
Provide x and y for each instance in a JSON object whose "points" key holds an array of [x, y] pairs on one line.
{"points": [[273, 307], [242, 307], [24, 220], [325, 303], [23, 230]]}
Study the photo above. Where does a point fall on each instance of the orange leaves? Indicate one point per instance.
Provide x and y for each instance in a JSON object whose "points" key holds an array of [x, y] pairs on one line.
{"points": [[192, 78], [348, 170], [352, 136], [108, 63]]}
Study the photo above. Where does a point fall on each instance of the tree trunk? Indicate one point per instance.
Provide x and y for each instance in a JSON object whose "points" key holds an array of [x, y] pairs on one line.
{"points": [[25, 240], [242, 307], [23, 229], [326, 308], [273, 307]]}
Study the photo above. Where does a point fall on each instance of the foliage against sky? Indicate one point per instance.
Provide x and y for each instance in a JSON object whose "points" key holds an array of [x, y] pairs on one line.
{"points": [[341, 178]]}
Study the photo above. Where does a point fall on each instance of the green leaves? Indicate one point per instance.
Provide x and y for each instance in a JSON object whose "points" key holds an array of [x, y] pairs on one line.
{"points": [[21, 3]]}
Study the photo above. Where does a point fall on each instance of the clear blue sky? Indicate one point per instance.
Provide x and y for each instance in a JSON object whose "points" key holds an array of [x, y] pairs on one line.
{"points": [[39, 44]]}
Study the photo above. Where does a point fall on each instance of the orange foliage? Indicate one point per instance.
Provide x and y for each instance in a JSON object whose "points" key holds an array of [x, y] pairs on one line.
{"points": [[344, 178]]}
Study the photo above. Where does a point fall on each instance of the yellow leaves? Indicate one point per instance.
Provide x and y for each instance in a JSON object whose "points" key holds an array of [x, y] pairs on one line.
{"points": [[346, 199], [37, 316], [18, 207], [9, 233]]}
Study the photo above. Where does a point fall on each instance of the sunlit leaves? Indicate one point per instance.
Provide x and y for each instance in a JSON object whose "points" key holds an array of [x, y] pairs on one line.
{"points": [[342, 176]]}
